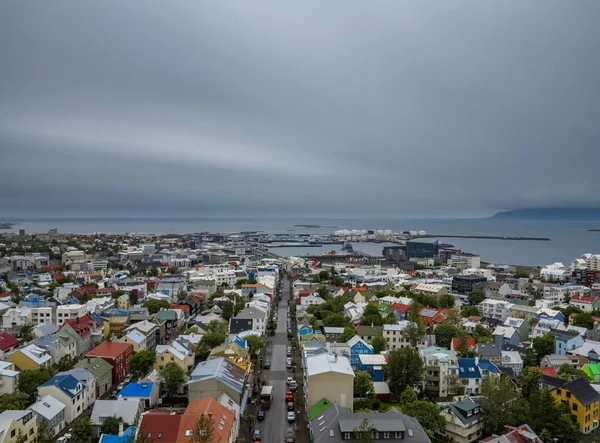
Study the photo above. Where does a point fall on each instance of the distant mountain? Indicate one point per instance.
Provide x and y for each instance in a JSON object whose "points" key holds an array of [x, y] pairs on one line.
{"points": [[572, 214]]}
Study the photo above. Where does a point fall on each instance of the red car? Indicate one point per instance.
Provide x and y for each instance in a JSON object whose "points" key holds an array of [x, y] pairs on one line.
{"points": [[289, 396]]}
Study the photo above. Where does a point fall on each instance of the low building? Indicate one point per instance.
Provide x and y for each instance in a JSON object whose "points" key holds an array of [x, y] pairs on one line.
{"points": [[368, 332], [465, 284], [126, 409], [15, 424], [30, 357], [67, 390], [358, 347], [503, 335], [225, 423], [521, 433], [145, 391], [162, 426], [496, 309], [178, 352], [8, 343], [431, 289], [583, 401], [491, 352], [329, 376], [102, 370], [472, 371], [566, 341], [512, 360], [51, 411], [117, 354], [464, 420], [136, 339], [8, 377], [373, 365]]}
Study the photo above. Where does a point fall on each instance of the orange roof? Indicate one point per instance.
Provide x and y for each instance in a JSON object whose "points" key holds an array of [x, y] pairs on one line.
{"points": [[184, 308], [163, 423], [470, 343], [549, 371], [222, 417], [109, 349]]}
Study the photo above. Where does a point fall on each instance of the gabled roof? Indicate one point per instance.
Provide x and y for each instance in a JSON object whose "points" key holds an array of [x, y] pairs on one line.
{"points": [[48, 407], [7, 341], [564, 335], [462, 409], [457, 342], [582, 390], [489, 349], [96, 365], [221, 369], [66, 383], [126, 409], [223, 418], [161, 426], [82, 325], [109, 349], [356, 339], [323, 363], [136, 336], [318, 408]]}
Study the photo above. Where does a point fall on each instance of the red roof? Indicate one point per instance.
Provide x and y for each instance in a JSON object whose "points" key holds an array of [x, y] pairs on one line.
{"points": [[470, 342], [7, 341], [222, 416], [583, 299], [549, 371], [82, 325], [400, 307], [109, 349], [6, 295], [155, 423], [184, 308]]}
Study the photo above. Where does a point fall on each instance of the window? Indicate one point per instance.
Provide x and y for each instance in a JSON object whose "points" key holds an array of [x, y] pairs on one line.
{"points": [[568, 394], [558, 392], [386, 435], [574, 406], [346, 435]]}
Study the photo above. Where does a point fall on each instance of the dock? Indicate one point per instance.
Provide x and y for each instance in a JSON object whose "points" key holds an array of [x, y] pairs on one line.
{"points": [[485, 237]]}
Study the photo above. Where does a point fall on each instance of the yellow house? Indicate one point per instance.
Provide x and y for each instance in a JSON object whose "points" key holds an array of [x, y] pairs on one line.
{"points": [[177, 352], [16, 426], [583, 401], [234, 353], [114, 322], [30, 357], [122, 302]]}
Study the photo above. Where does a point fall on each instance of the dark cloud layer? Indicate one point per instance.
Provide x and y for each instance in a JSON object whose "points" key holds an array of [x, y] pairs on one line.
{"points": [[270, 108]]}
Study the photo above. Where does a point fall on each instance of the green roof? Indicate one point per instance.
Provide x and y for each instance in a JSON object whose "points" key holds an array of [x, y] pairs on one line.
{"points": [[96, 366], [166, 315], [318, 408], [592, 369], [518, 301]]}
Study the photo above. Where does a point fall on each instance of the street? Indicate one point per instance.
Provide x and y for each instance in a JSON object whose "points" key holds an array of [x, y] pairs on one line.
{"points": [[275, 423]]}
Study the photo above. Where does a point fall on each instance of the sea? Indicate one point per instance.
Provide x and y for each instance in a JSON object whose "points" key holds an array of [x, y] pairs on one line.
{"points": [[568, 239]]}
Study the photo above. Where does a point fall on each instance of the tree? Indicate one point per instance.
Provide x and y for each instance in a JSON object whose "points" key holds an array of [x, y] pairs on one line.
{"points": [[569, 372], [203, 430], [404, 368], [444, 334], [544, 345], [379, 344], [463, 350], [454, 318], [240, 304], [14, 401], [227, 310], [428, 415], [110, 425], [481, 334], [81, 429], [550, 420], [408, 396], [153, 271], [469, 311], [414, 332], [202, 352], [446, 301], [348, 333], [213, 339], [363, 386], [255, 343], [324, 275], [363, 433], [530, 381], [27, 333], [173, 377], [335, 320], [455, 385], [45, 434], [584, 320], [498, 397], [141, 363], [30, 379], [133, 297], [476, 297], [182, 295], [337, 281], [64, 364], [390, 319], [571, 310], [218, 326], [156, 305]]}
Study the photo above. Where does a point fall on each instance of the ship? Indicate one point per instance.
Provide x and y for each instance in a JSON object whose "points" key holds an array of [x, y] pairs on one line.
{"points": [[348, 248]]}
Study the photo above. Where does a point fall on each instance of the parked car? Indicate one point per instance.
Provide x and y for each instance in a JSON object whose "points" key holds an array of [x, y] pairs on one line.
{"points": [[288, 363], [289, 380], [293, 385], [289, 435], [113, 394], [120, 386], [290, 406], [257, 436], [260, 416], [288, 351], [291, 416]]}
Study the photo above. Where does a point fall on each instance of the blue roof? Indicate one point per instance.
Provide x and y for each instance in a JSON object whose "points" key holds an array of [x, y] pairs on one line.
{"points": [[467, 368], [127, 436], [133, 389], [305, 331], [240, 342], [66, 383], [486, 364]]}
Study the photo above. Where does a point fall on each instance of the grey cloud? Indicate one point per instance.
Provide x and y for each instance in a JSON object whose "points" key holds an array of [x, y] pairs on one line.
{"points": [[297, 108]]}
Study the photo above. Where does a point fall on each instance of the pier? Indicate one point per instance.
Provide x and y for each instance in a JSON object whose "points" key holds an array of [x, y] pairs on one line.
{"points": [[485, 237]]}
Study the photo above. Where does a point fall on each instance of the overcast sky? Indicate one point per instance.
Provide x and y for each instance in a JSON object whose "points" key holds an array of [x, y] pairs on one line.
{"points": [[285, 108]]}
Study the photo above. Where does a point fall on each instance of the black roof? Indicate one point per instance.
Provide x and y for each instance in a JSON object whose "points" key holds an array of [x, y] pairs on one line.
{"points": [[508, 347], [488, 349], [550, 382], [582, 390], [477, 278]]}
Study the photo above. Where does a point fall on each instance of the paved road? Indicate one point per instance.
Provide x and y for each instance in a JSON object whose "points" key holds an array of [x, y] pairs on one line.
{"points": [[275, 423]]}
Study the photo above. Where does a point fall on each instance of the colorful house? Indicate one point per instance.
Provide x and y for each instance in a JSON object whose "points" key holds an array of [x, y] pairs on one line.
{"points": [[178, 352], [234, 353], [373, 364], [30, 357], [566, 341], [115, 321], [583, 401], [358, 346], [593, 371], [117, 354]]}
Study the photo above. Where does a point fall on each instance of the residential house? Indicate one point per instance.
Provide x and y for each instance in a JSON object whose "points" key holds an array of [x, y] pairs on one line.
{"points": [[521, 325], [239, 325], [491, 352], [44, 329], [193, 339], [88, 380], [15, 318], [82, 329], [430, 317], [123, 436], [136, 339], [8, 377], [169, 316], [497, 309], [258, 316], [440, 367], [395, 338], [566, 341], [496, 290], [593, 371], [138, 314], [8, 343], [464, 420], [511, 434], [586, 304], [115, 320], [401, 311], [332, 333], [51, 411], [69, 391], [329, 376], [117, 354], [17, 426], [506, 335], [30, 357], [583, 401], [66, 341], [589, 350], [145, 391], [195, 304], [358, 346], [512, 360], [463, 344], [127, 409], [373, 364], [546, 325], [149, 329], [520, 311], [225, 423], [551, 314], [178, 352], [102, 371], [71, 311], [472, 371], [235, 351], [554, 361], [368, 332], [162, 426], [431, 289]]}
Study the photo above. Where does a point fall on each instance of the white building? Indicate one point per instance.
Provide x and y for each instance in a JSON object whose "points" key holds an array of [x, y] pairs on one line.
{"points": [[311, 299], [395, 339], [553, 272], [67, 312], [497, 309], [16, 317], [583, 303], [439, 364], [8, 377]]}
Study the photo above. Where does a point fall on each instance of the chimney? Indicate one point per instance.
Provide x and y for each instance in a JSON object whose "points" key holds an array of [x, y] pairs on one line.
{"points": [[121, 429]]}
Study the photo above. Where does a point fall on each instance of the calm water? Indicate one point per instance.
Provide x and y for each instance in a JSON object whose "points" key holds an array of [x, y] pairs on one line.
{"points": [[568, 239]]}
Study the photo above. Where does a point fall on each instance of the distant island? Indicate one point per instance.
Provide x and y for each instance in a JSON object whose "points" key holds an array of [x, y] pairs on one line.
{"points": [[5, 226], [307, 226], [570, 214], [594, 230]]}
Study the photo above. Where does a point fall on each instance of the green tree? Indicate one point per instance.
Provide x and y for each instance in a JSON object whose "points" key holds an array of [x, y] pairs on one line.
{"points": [[133, 297], [584, 320], [337, 281], [544, 345], [81, 429], [203, 431], [476, 297], [408, 396], [363, 433], [363, 386], [27, 333], [218, 326], [390, 319], [414, 332], [469, 311], [202, 352], [227, 310], [255, 343], [153, 271], [335, 320], [569, 372], [45, 434], [498, 397], [404, 368], [481, 334], [30, 379], [64, 364], [14, 401], [530, 381], [348, 333], [240, 304], [379, 344], [213, 339], [571, 310], [141, 363], [173, 377], [444, 333], [156, 305], [324, 275], [446, 301], [110, 425], [182, 296], [552, 421], [428, 415]]}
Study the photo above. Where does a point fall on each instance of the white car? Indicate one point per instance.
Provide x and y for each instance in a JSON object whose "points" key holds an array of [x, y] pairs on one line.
{"points": [[289, 380], [291, 416]]}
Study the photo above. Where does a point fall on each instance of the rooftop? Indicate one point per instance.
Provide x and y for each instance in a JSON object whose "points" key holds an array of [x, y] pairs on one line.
{"points": [[109, 349]]}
